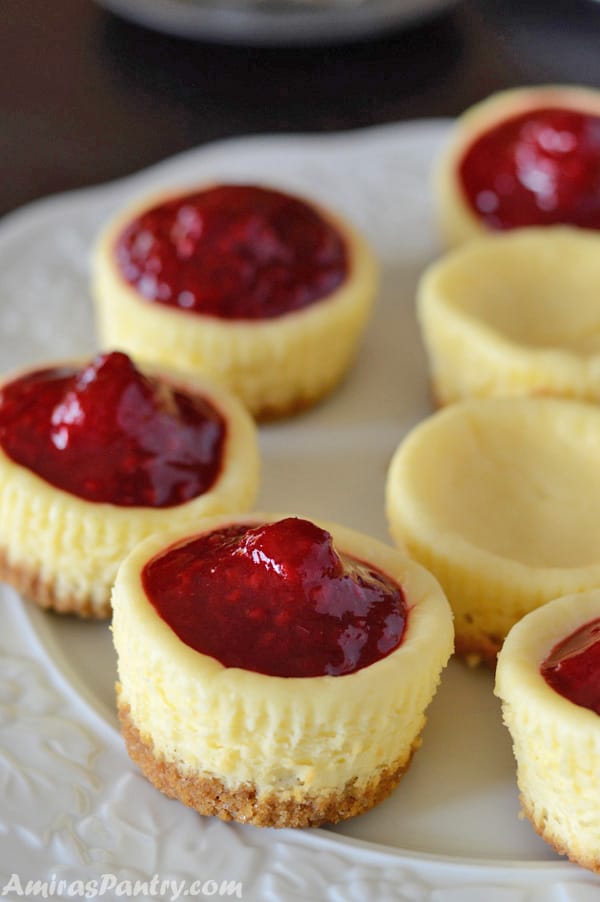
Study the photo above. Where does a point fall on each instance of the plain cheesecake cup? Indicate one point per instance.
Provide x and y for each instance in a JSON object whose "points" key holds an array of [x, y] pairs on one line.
{"points": [[498, 498], [514, 314]]}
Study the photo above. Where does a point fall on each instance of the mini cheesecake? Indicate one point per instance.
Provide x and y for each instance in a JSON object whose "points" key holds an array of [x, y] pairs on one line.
{"points": [[548, 677], [523, 157], [264, 292], [273, 670], [499, 499], [96, 456], [512, 314]]}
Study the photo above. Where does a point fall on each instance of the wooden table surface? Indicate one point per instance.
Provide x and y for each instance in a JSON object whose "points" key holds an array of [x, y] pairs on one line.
{"points": [[86, 97]]}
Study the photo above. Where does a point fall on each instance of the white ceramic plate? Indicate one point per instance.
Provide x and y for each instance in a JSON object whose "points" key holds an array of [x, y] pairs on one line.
{"points": [[71, 803], [275, 21]]}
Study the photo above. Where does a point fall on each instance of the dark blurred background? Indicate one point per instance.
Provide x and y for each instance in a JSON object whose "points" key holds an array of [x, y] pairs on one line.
{"points": [[86, 97]]}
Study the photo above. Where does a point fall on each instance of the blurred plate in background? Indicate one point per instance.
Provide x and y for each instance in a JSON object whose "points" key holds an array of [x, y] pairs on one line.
{"points": [[272, 22]]}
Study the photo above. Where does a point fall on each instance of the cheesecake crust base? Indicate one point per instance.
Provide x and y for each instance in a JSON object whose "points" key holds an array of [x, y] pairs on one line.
{"points": [[209, 796], [30, 583], [475, 650]]}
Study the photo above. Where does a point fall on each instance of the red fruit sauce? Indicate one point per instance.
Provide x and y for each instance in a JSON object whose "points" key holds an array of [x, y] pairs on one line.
{"points": [[573, 667], [277, 599], [234, 252], [107, 433], [540, 168]]}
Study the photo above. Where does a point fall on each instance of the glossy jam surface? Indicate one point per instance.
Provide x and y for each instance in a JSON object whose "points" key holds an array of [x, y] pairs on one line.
{"points": [[234, 252], [541, 167], [573, 667], [277, 599], [107, 433]]}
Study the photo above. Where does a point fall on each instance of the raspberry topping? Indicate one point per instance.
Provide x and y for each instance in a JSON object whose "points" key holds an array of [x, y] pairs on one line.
{"points": [[108, 433], [573, 667], [277, 599], [234, 252], [541, 167]]}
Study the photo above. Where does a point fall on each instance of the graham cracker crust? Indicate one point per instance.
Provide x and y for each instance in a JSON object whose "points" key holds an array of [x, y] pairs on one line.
{"points": [[269, 413], [476, 650], [209, 796], [29, 583]]}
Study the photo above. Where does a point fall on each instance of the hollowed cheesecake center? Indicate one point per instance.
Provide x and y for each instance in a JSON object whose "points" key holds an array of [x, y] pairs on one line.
{"points": [[540, 167], [521, 484], [573, 666], [108, 433], [277, 599], [234, 252]]}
